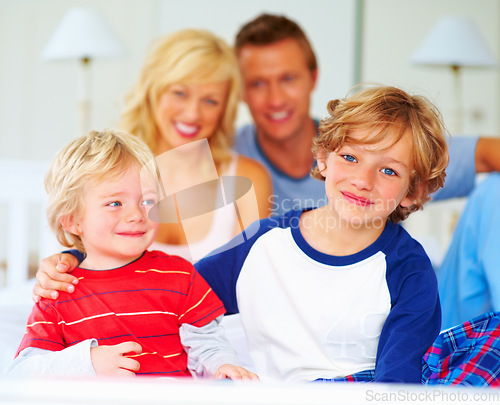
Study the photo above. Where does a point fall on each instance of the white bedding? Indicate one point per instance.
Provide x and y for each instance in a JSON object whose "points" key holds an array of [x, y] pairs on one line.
{"points": [[15, 306], [145, 391]]}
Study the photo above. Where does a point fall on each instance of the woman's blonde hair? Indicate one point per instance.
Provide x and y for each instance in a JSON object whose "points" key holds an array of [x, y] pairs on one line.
{"points": [[93, 157], [390, 111], [188, 56]]}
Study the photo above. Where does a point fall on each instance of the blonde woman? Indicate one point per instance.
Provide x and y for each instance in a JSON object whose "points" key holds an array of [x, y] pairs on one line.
{"points": [[187, 92]]}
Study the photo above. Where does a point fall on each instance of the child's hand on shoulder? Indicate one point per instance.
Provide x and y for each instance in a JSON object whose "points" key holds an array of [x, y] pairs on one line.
{"points": [[234, 373], [112, 360]]}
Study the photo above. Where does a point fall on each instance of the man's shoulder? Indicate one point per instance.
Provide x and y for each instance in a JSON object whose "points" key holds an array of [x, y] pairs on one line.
{"points": [[245, 131], [246, 142]]}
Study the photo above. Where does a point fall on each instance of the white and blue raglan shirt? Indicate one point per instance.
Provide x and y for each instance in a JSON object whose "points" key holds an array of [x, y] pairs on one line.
{"points": [[309, 315]]}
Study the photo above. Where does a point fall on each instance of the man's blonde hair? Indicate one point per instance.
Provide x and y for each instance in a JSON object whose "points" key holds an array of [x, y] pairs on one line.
{"points": [[188, 56], [93, 157], [390, 111]]}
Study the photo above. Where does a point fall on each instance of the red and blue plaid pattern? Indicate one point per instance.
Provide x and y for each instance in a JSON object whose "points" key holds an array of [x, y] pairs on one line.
{"points": [[468, 354], [362, 376]]}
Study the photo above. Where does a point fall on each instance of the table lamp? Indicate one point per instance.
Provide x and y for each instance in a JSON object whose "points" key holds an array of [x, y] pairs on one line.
{"points": [[83, 34], [455, 42]]}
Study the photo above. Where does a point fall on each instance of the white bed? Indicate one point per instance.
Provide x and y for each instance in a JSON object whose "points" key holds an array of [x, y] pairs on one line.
{"points": [[15, 306], [146, 391]]}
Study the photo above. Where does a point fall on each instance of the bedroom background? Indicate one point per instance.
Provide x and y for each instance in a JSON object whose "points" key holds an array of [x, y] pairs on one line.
{"points": [[354, 40]]}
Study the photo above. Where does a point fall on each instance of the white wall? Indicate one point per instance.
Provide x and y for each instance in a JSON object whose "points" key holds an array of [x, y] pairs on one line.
{"points": [[38, 98], [395, 28]]}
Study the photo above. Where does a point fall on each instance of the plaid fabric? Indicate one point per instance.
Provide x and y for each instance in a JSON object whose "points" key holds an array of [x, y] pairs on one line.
{"points": [[362, 376], [468, 354]]}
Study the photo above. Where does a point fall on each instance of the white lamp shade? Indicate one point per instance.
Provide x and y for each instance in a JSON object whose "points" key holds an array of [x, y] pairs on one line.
{"points": [[82, 33], [454, 41]]}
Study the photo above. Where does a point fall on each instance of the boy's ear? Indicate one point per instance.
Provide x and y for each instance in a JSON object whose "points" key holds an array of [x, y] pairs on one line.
{"points": [[314, 78], [71, 225], [409, 200], [321, 157], [406, 202]]}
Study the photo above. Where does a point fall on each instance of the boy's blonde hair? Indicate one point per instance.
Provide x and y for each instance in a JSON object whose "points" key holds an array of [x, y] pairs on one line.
{"points": [[188, 56], [93, 157], [390, 111]]}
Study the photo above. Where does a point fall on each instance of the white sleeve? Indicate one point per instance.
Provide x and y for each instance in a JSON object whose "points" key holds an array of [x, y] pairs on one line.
{"points": [[207, 348], [74, 360]]}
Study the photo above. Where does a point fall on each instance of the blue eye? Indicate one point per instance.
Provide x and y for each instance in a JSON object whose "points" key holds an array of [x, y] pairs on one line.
{"points": [[257, 83], [211, 101], [349, 158], [179, 93], [115, 204], [148, 203], [388, 171]]}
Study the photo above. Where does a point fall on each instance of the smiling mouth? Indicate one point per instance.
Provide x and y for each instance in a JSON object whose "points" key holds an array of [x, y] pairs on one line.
{"points": [[354, 199], [280, 116], [132, 234], [185, 130]]}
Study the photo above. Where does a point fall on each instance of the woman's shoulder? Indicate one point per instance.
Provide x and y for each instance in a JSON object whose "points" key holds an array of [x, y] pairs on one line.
{"points": [[261, 180], [250, 167], [257, 173]]}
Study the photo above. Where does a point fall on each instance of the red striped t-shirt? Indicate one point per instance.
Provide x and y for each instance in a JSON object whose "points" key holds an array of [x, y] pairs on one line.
{"points": [[145, 301]]}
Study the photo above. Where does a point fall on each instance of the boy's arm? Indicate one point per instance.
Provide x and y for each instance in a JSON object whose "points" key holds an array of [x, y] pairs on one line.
{"points": [[80, 360], [469, 155], [73, 360], [412, 326], [487, 154], [43, 350], [208, 349]]}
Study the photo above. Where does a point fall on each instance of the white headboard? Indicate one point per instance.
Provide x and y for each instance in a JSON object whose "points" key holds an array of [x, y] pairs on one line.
{"points": [[24, 229]]}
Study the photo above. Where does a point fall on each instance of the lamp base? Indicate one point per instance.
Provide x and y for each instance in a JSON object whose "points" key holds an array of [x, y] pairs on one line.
{"points": [[83, 103], [458, 111]]}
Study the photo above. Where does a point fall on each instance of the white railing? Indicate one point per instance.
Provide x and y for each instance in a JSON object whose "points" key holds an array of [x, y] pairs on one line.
{"points": [[25, 231]]}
